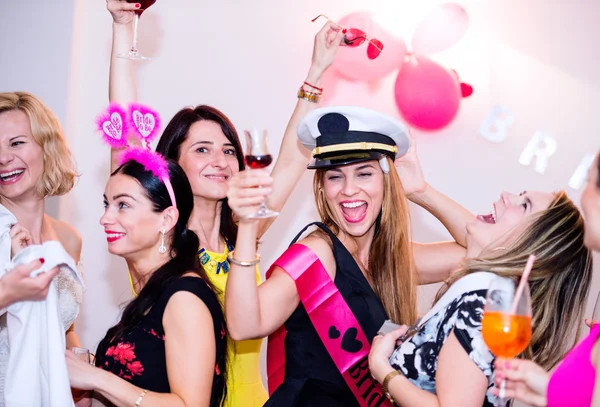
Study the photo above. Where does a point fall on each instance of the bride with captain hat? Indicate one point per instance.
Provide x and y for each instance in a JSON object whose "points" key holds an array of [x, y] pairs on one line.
{"points": [[326, 297]]}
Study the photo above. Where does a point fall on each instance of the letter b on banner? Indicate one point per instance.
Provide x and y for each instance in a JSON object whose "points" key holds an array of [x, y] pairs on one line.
{"points": [[496, 125], [541, 146]]}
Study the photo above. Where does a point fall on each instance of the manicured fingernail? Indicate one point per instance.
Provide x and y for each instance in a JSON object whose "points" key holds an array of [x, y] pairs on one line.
{"points": [[42, 260], [344, 31], [138, 5]]}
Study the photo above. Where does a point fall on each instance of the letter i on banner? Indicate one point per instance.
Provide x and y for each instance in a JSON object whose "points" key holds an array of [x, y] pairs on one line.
{"points": [[496, 125], [580, 175], [541, 146]]}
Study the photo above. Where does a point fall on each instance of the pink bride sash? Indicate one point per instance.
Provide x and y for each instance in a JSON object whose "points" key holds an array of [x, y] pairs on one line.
{"points": [[334, 322]]}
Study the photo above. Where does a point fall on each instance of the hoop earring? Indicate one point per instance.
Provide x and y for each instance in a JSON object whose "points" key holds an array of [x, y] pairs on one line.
{"points": [[162, 249]]}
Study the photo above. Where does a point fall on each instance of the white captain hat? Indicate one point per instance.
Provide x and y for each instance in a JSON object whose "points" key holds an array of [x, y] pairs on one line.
{"points": [[341, 135]]}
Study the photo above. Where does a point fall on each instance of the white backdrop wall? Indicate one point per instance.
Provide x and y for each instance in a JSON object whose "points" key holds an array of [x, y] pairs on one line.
{"points": [[536, 57]]}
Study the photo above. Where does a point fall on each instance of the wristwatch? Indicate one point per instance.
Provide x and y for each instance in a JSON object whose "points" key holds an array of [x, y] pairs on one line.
{"points": [[386, 381]]}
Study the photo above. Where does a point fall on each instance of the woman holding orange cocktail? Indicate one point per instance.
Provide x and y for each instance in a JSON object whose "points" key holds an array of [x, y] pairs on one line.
{"points": [[447, 361], [574, 382]]}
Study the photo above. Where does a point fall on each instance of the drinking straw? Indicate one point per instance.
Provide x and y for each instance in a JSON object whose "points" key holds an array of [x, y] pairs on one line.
{"points": [[521, 287]]}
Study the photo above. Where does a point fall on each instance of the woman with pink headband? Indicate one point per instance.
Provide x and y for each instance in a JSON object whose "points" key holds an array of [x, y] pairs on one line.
{"points": [[154, 355], [204, 141]]}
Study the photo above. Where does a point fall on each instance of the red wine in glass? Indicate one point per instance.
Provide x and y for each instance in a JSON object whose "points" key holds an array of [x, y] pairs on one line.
{"points": [[258, 156], [133, 53], [144, 4], [259, 161]]}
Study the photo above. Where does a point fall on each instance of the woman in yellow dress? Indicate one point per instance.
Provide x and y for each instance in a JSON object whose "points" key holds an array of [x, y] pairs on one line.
{"points": [[206, 145]]}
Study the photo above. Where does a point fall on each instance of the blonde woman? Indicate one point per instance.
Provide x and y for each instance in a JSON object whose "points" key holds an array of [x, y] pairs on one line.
{"points": [[446, 363], [35, 162], [574, 383]]}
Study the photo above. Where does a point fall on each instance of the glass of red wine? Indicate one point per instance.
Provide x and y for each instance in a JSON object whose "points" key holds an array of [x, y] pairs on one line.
{"points": [[257, 156], [133, 52]]}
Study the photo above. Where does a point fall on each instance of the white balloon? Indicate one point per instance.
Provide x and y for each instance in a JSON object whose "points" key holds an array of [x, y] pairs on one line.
{"points": [[541, 146]]}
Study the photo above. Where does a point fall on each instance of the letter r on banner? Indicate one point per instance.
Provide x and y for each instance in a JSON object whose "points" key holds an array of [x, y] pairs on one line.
{"points": [[541, 146]]}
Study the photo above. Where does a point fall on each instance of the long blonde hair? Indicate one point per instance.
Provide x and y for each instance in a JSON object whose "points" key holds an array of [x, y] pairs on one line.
{"points": [[60, 173], [559, 281], [390, 271]]}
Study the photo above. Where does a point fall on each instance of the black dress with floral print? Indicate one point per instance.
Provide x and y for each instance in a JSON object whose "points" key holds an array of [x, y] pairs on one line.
{"points": [[417, 358], [139, 355]]}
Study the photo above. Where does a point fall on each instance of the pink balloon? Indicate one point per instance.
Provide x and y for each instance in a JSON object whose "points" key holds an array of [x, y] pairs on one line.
{"points": [[427, 94], [353, 63], [441, 29]]}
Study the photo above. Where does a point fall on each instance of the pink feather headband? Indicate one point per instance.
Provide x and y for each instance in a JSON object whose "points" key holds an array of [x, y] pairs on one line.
{"points": [[144, 122]]}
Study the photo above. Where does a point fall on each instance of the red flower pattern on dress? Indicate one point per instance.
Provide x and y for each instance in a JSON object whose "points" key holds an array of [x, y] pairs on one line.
{"points": [[135, 368], [153, 332], [123, 352]]}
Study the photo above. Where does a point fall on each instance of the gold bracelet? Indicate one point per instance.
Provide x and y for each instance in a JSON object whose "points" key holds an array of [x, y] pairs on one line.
{"points": [[139, 400], [386, 381], [310, 96], [243, 263]]}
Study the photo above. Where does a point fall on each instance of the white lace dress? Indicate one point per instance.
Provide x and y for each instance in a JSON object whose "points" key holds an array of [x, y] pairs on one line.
{"points": [[70, 294]]}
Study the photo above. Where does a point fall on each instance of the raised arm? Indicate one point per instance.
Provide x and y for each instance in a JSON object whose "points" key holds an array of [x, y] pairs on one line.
{"points": [[453, 216], [434, 261], [121, 82], [293, 157]]}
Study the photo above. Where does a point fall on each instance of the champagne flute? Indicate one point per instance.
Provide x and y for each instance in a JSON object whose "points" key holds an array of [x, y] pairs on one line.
{"points": [[82, 353], [258, 156], [133, 53], [506, 330]]}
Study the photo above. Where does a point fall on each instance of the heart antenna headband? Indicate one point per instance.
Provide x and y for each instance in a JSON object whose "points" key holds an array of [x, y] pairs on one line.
{"points": [[115, 125]]}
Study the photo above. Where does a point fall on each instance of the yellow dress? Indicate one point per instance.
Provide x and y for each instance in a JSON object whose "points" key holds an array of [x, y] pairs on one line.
{"points": [[244, 383]]}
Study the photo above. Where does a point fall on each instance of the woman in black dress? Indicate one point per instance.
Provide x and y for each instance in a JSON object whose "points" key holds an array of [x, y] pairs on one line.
{"points": [[154, 356], [362, 242]]}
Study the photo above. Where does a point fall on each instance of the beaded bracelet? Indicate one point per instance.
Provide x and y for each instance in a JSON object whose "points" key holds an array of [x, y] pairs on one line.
{"points": [[386, 381], [139, 400]]}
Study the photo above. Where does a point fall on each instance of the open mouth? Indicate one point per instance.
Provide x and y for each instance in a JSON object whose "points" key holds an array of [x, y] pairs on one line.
{"points": [[217, 177], [113, 236], [12, 176], [354, 211], [489, 218]]}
